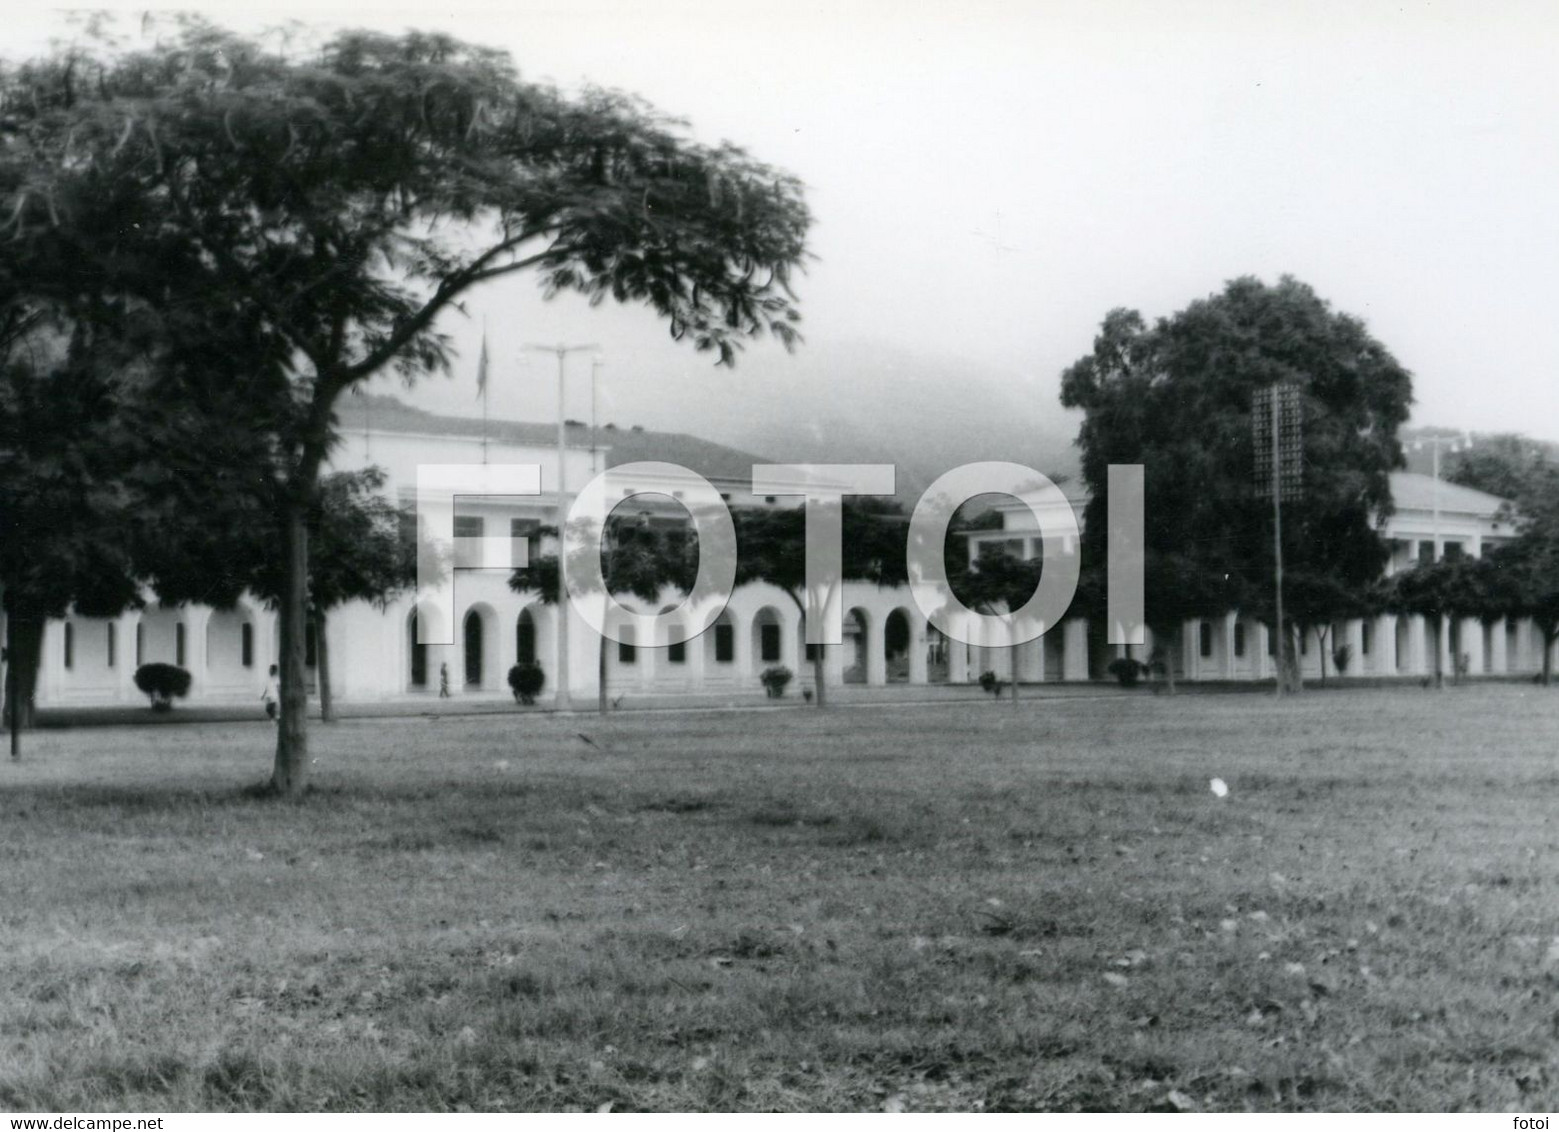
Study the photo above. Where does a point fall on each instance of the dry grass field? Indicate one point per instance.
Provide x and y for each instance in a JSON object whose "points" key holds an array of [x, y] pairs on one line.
{"points": [[959, 906]]}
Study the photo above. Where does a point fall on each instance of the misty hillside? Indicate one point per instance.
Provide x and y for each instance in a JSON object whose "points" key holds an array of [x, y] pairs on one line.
{"points": [[861, 404]]}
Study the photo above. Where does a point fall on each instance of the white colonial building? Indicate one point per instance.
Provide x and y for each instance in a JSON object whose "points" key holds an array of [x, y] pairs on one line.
{"points": [[374, 654]]}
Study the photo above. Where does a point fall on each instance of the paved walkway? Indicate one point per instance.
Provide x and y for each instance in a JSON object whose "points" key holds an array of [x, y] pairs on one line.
{"points": [[844, 696]]}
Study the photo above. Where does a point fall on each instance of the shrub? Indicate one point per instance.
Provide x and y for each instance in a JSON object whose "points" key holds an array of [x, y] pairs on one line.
{"points": [[162, 683], [1341, 655], [991, 682], [525, 680], [1127, 671], [775, 679]]}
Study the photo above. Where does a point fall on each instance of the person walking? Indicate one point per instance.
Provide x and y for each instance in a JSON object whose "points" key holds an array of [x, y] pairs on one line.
{"points": [[443, 681], [268, 697]]}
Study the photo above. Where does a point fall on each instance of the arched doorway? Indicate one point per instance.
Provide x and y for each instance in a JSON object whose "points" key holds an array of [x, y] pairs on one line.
{"points": [[525, 638], [417, 652], [856, 646], [472, 636], [896, 639], [768, 646]]}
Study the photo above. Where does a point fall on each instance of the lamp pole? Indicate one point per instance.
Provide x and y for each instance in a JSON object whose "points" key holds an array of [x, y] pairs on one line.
{"points": [[1455, 444], [562, 699]]}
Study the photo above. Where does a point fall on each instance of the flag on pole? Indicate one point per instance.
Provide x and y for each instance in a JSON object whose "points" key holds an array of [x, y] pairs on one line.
{"points": [[481, 369]]}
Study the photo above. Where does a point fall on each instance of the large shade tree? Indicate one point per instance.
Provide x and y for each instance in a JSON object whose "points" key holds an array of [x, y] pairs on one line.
{"points": [[336, 200], [771, 548], [1176, 397]]}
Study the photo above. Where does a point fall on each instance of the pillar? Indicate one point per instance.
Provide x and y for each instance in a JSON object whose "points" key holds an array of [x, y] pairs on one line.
{"points": [[918, 644], [1074, 663], [197, 618], [124, 657], [875, 633]]}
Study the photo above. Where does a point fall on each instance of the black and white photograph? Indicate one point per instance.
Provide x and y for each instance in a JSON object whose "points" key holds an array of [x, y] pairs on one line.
{"points": [[686, 557]]}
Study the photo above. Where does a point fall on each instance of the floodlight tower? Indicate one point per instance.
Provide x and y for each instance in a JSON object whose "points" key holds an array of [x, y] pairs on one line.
{"points": [[562, 699]]}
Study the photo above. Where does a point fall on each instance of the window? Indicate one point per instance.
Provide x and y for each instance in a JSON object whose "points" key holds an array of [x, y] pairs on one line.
{"points": [[1366, 637], [112, 643], [70, 645], [725, 644], [473, 649], [468, 526], [178, 644], [246, 645], [676, 653], [1205, 632], [525, 640], [140, 643], [1304, 643], [310, 647], [1239, 638], [769, 499], [627, 651], [813, 653], [769, 642], [1272, 643], [1426, 552], [530, 531], [1452, 551]]}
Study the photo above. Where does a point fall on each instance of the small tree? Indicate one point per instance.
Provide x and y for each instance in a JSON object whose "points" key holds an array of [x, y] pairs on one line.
{"points": [[162, 683], [525, 681], [997, 584]]}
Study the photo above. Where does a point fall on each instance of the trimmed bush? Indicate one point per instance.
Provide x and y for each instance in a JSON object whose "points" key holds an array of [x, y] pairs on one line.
{"points": [[162, 683], [775, 679], [525, 680], [1127, 671], [991, 682]]}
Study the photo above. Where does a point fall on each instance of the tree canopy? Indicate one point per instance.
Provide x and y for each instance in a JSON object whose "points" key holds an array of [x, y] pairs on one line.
{"points": [[1176, 397]]}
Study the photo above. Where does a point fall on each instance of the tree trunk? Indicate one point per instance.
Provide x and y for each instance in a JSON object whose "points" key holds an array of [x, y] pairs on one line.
{"points": [[24, 653], [1012, 670], [1548, 658], [1439, 664], [600, 674], [1321, 640], [1172, 641], [290, 772], [818, 663], [327, 704]]}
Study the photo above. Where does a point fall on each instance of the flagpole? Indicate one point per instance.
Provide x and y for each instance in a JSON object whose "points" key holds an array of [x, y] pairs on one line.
{"points": [[481, 385]]}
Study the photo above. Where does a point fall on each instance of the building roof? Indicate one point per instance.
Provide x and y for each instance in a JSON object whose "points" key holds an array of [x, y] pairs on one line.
{"points": [[1413, 491], [621, 445]]}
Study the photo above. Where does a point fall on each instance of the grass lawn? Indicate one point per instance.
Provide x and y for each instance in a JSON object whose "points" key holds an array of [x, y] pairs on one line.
{"points": [[948, 907]]}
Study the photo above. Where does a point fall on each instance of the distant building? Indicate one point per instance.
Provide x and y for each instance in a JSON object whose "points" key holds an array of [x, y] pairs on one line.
{"points": [[375, 656]]}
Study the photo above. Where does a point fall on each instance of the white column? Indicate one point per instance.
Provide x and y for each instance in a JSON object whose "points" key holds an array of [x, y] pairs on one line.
{"points": [[1229, 661], [1499, 662], [1074, 665], [1384, 646], [1353, 638], [917, 650], [124, 656], [874, 634], [196, 620]]}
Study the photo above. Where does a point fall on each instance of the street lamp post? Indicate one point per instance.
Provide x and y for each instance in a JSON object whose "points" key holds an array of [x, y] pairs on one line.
{"points": [[562, 700]]}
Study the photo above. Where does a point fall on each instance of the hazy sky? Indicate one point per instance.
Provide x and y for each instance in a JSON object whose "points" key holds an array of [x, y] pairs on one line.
{"points": [[990, 178]]}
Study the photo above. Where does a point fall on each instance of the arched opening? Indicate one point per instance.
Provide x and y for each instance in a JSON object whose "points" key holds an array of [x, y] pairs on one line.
{"points": [[472, 636], [938, 656], [768, 640], [720, 644], [525, 638], [417, 652], [896, 638], [856, 646]]}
